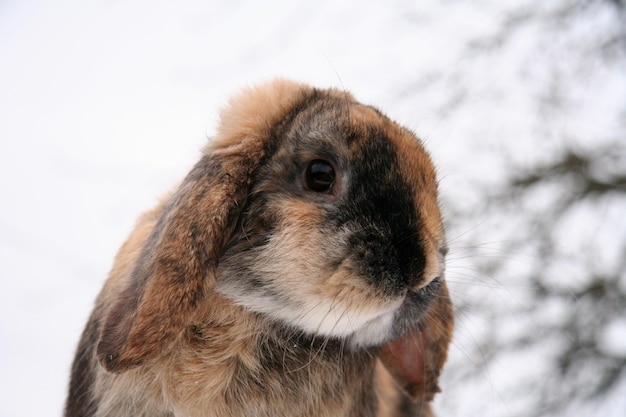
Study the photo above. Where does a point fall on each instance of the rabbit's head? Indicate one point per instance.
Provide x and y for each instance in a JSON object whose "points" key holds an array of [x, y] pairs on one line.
{"points": [[310, 209]]}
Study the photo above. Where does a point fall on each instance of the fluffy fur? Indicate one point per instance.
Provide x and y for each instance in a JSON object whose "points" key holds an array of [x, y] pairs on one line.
{"points": [[248, 293]]}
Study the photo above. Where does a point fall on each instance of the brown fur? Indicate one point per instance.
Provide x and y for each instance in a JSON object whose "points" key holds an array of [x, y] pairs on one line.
{"points": [[166, 337]]}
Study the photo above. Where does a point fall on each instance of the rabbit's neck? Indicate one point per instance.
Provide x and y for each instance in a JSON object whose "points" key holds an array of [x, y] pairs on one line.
{"points": [[236, 362]]}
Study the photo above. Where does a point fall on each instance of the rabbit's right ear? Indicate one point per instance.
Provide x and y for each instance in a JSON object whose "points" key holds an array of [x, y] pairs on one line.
{"points": [[175, 266]]}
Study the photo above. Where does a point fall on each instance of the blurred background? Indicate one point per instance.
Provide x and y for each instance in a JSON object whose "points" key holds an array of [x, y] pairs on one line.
{"points": [[105, 104]]}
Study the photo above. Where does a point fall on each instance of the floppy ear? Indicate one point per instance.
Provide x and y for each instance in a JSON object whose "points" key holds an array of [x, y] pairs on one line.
{"points": [[175, 267], [176, 264], [415, 360]]}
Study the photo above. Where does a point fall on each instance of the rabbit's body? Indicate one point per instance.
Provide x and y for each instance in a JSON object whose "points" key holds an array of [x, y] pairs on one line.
{"points": [[297, 271]]}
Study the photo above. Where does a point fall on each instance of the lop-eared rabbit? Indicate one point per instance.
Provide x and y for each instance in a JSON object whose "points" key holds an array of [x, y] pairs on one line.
{"points": [[298, 270]]}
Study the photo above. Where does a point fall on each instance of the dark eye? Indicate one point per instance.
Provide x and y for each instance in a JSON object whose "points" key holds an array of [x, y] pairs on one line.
{"points": [[319, 176]]}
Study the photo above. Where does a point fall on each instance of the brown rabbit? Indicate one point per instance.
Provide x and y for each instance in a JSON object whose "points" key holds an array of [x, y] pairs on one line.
{"points": [[298, 270]]}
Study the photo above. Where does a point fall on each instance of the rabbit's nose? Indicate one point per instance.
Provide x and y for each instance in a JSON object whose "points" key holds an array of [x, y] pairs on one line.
{"points": [[424, 282], [433, 268]]}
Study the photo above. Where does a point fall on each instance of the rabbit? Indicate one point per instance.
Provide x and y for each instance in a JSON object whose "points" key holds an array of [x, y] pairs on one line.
{"points": [[297, 270]]}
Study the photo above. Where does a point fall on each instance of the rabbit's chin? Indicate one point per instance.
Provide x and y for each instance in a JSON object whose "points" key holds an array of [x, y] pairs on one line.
{"points": [[358, 326]]}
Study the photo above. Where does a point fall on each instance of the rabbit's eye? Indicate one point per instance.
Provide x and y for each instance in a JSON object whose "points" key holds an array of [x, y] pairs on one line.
{"points": [[319, 176]]}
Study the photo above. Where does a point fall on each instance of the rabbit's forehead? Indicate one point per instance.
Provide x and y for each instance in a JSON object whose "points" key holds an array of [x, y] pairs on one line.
{"points": [[413, 163]]}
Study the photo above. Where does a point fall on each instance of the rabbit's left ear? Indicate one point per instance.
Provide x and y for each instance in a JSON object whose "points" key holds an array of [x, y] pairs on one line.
{"points": [[415, 360], [175, 267]]}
